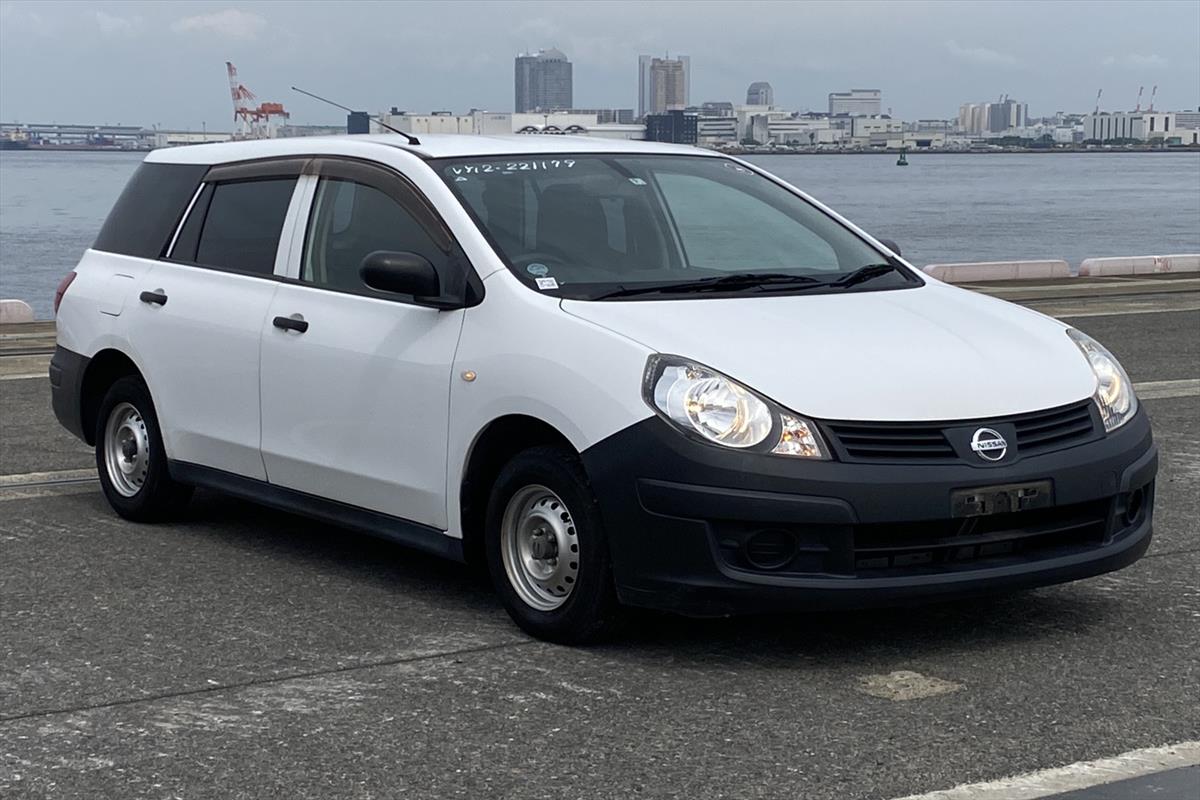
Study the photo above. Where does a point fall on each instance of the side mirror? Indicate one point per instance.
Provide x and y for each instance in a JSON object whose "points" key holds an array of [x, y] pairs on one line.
{"points": [[400, 273], [890, 245]]}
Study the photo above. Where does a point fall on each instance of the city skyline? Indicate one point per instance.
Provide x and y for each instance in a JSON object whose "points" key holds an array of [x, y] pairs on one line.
{"points": [[75, 61]]}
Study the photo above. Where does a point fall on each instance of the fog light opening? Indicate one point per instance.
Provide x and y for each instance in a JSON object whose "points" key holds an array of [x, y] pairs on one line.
{"points": [[769, 549], [1134, 506]]}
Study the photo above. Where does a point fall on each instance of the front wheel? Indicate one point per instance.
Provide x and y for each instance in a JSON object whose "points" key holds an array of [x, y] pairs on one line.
{"points": [[546, 548], [130, 456]]}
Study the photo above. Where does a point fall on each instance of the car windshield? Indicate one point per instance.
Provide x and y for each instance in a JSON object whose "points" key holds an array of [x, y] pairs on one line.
{"points": [[607, 226]]}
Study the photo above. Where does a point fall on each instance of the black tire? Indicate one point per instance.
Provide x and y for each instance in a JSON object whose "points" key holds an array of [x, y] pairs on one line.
{"points": [[591, 608], [158, 497]]}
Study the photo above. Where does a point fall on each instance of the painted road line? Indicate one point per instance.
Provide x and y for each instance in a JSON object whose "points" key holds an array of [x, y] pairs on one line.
{"points": [[47, 484], [36, 365], [1123, 313], [24, 376], [7, 337], [8, 493], [1080, 775], [1161, 390], [47, 478]]}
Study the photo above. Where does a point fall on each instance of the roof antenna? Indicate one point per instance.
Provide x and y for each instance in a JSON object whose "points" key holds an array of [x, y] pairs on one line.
{"points": [[411, 139]]}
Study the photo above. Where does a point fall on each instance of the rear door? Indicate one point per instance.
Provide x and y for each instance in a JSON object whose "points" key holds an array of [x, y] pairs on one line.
{"points": [[355, 382], [198, 323]]}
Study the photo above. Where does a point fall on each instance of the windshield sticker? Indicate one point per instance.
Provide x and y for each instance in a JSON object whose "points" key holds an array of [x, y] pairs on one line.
{"points": [[637, 181], [547, 283], [538, 270], [509, 167]]}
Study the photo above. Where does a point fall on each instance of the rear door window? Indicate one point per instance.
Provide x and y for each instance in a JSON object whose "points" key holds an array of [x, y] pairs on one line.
{"points": [[241, 230]]}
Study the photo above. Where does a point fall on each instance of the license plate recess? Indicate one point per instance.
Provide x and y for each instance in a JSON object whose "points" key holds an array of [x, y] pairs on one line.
{"points": [[980, 501]]}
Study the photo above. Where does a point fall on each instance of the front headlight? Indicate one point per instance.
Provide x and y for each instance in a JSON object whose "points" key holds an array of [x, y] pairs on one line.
{"points": [[1114, 393], [702, 402]]}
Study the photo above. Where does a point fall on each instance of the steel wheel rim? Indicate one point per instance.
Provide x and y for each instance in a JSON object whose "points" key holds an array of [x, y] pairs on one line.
{"points": [[126, 449], [540, 548]]}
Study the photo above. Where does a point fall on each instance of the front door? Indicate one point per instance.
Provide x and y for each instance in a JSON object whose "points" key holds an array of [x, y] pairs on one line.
{"points": [[356, 383]]}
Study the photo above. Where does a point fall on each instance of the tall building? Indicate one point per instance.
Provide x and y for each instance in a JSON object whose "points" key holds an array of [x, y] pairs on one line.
{"points": [[760, 93], [977, 118], [542, 81], [663, 84], [856, 103]]}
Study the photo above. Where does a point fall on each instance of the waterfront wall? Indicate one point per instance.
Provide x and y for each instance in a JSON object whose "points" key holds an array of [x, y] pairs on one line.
{"points": [[1052, 269]]}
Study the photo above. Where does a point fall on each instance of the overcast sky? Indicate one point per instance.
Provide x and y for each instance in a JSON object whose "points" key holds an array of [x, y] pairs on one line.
{"points": [[163, 62]]}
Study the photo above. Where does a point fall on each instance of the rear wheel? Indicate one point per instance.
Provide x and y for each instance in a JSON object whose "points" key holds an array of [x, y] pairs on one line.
{"points": [[546, 548], [130, 456]]}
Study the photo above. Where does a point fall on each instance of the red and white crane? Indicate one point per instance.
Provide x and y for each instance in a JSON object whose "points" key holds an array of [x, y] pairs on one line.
{"points": [[250, 121]]}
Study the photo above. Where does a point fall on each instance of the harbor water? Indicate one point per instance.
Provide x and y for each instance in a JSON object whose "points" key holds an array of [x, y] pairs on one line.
{"points": [[940, 208]]}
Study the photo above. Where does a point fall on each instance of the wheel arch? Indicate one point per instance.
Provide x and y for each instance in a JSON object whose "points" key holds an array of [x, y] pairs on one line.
{"points": [[105, 368], [492, 448]]}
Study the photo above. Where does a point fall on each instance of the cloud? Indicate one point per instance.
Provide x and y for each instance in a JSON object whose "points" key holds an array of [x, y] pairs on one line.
{"points": [[230, 23], [111, 25], [980, 55], [22, 21], [1137, 61]]}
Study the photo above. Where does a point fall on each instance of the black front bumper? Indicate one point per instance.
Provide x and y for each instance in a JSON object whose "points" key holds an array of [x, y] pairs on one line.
{"points": [[682, 516]]}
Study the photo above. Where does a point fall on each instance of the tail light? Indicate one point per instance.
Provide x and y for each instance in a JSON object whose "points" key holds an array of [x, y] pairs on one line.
{"points": [[62, 289]]}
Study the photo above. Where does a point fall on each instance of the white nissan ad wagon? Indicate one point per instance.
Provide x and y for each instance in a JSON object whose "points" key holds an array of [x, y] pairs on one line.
{"points": [[616, 373]]}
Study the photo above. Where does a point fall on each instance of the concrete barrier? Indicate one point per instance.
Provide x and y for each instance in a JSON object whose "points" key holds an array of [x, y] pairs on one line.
{"points": [[1139, 265], [999, 271], [15, 311]]}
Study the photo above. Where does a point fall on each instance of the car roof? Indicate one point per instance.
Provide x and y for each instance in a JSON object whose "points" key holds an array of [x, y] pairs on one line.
{"points": [[432, 145]]}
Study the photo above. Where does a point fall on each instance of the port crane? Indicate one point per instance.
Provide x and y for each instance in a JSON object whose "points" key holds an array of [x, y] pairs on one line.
{"points": [[252, 122]]}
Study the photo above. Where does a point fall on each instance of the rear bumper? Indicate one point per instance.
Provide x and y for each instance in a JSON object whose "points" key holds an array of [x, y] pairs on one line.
{"points": [[66, 385], [680, 516]]}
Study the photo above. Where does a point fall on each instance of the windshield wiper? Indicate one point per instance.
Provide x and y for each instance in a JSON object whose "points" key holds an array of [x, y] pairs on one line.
{"points": [[716, 283], [863, 274]]}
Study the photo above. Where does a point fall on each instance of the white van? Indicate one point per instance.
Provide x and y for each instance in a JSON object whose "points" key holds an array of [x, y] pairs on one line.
{"points": [[615, 373]]}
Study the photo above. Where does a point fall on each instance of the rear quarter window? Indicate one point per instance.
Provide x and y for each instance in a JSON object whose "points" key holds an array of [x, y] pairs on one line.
{"points": [[149, 208]]}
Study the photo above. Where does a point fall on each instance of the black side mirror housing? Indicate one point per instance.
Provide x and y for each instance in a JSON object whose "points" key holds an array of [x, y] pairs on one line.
{"points": [[890, 245], [400, 273]]}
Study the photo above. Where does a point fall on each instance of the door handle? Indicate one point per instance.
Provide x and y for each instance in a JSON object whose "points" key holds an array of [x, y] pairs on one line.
{"points": [[290, 324], [155, 298]]}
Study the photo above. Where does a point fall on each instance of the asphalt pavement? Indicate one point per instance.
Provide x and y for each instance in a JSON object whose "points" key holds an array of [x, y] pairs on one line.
{"points": [[246, 653]]}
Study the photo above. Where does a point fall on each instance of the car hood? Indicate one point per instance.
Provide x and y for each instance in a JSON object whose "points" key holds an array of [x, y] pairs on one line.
{"points": [[930, 353]]}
